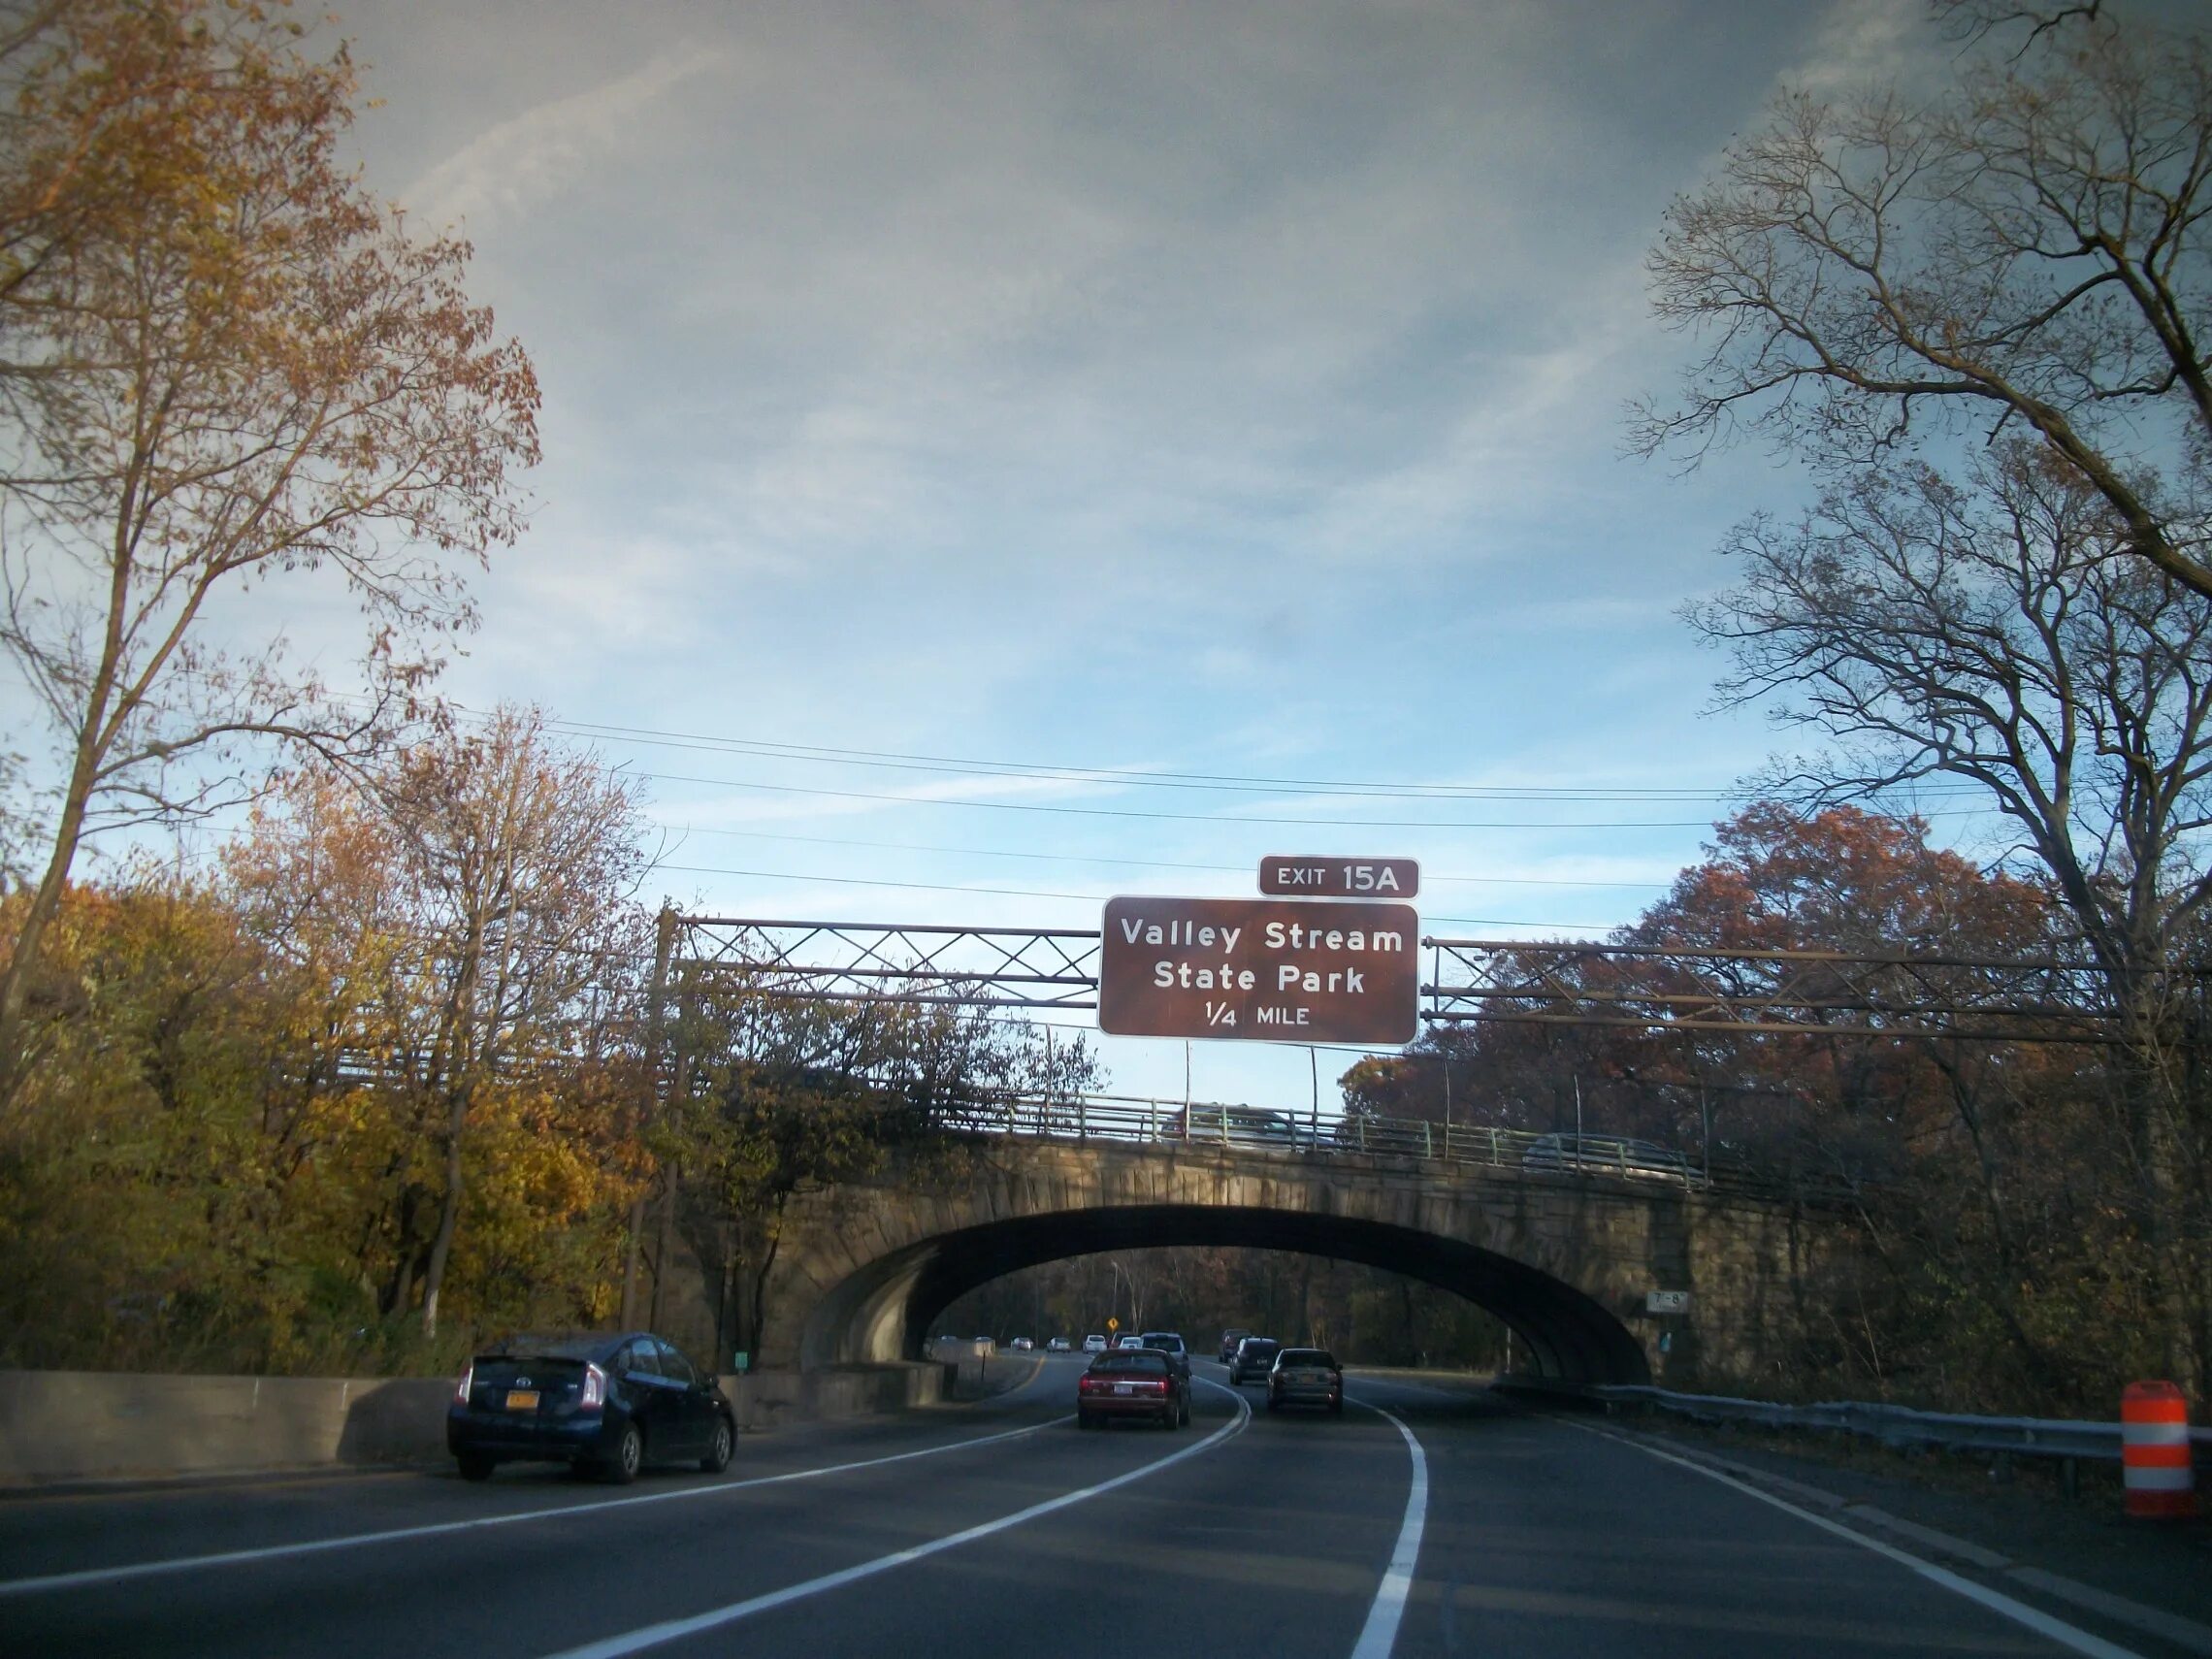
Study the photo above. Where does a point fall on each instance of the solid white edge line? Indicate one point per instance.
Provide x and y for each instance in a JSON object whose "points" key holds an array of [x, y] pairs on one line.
{"points": [[393, 1535], [675, 1629], [1380, 1629], [1996, 1601]]}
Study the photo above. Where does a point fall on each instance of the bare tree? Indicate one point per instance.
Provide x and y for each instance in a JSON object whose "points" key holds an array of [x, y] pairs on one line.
{"points": [[227, 370], [1991, 630], [2027, 252]]}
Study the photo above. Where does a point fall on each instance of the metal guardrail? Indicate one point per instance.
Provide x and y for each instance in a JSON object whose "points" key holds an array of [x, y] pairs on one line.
{"points": [[1898, 1425], [1198, 1123]]}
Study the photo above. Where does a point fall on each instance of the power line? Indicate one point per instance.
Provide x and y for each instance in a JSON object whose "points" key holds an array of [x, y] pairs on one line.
{"points": [[1130, 863], [1187, 817], [1070, 772], [1041, 892]]}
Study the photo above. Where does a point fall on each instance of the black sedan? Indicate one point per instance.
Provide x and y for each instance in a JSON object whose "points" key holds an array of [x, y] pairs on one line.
{"points": [[600, 1403], [1140, 1382]]}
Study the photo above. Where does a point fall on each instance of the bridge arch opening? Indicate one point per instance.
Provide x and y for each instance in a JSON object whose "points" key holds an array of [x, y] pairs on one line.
{"points": [[880, 1312]]}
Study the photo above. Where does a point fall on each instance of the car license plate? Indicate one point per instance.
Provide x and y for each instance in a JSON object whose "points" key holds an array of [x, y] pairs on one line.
{"points": [[522, 1399], [1124, 1387]]}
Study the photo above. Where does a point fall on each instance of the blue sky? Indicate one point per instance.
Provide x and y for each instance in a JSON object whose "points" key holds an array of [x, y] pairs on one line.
{"points": [[1177, 388]]}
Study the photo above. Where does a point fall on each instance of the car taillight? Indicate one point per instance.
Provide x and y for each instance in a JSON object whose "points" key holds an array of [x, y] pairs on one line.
{"points": [[468, 1379], [1162, 1385], [595, 1389]]}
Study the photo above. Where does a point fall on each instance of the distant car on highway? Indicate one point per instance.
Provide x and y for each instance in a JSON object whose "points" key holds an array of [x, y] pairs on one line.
{"points": [[1021, 1344], [1138, 1383], [1170, 1344], [1253, 1359], [1094, 1343], [1229, 1340], [1606, 1154], [607, 1403], [1129, 1340], [1058, 1345], [1306, 1377]]}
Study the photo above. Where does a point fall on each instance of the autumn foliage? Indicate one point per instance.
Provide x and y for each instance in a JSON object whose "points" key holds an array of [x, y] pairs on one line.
{"points": [[2008, 1260]]}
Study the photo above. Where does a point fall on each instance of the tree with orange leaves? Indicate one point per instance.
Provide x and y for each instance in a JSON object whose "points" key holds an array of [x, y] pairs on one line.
{"points": [[223, 364]]}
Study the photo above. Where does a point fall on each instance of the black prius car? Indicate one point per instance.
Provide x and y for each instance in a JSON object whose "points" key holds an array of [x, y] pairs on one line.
{"points": [[604, 1404]]}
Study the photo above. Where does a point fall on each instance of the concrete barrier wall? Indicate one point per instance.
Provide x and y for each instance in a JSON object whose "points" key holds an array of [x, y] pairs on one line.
{"points": [[768, 1398], [60, 1425], [76, 1425]]}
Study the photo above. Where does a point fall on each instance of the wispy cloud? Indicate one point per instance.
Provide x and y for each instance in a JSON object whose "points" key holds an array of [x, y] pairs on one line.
{"points": [[530, 158]]}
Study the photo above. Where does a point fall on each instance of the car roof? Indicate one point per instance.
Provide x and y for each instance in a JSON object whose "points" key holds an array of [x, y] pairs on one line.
{"points": [[560, 1344]]}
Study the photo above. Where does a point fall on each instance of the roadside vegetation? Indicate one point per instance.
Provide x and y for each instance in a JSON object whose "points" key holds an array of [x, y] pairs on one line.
{"points": [[390, 1067]]}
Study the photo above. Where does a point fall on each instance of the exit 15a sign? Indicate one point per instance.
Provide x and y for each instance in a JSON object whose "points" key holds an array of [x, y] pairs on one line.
{"points": [[1293, 876]]}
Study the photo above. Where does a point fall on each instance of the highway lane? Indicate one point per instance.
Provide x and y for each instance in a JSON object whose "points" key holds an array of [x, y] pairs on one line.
{"points": [[1538, 1537], [1546, 1537]]}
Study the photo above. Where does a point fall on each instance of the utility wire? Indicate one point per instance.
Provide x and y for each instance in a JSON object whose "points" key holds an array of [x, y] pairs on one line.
{"points": [[1074, 773], [1130, 863], [1041, 892], [1191, 817]]}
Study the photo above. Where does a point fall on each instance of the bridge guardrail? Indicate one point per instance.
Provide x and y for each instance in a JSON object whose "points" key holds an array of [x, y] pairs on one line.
{"points": [[1898, 1426], [1247, 1129]]}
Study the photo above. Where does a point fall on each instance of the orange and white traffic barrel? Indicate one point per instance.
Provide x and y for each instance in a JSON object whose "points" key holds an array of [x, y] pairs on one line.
{"points": [[2154, 1452]]}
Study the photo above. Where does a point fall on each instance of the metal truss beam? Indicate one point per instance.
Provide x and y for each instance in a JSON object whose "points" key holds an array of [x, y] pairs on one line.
{"points": [[979, 967], [1766, 993], [1701, 988]]}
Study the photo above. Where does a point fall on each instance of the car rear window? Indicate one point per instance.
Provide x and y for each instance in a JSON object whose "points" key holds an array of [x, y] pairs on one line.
{"points": [[1258, 1348], [1131, 1362], [1166, 1340], [1307, 1357], [578, 1347]]}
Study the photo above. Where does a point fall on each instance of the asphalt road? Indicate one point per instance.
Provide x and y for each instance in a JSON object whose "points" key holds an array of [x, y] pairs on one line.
{"points": [[954, 1533]]}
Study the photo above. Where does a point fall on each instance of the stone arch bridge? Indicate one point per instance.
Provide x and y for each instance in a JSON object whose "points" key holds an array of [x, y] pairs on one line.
{"points": [[1566, 1259]]}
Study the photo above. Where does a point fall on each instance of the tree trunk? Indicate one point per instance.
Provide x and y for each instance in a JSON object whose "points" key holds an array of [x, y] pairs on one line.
{"points": [[22, 959], [448, 1215]]}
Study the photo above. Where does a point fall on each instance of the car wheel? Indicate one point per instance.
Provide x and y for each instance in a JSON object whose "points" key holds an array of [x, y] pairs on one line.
{"points": [[1183, 1417], [725, 1441], [628, 1457], [1082, 1421], [474, 1466], [1336, 1408], [1273, 1403]]}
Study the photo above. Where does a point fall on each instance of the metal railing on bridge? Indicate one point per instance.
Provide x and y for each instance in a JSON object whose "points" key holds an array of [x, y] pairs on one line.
{"points": [[1245, 1128]]}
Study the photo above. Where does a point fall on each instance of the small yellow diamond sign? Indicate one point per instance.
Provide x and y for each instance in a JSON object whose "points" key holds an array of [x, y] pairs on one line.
{"points": [[1113, 1324]]}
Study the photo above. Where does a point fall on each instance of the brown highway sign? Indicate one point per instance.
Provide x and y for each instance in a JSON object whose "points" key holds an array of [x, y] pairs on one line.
{"points": [[1336, 877], [1265, 970]]}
